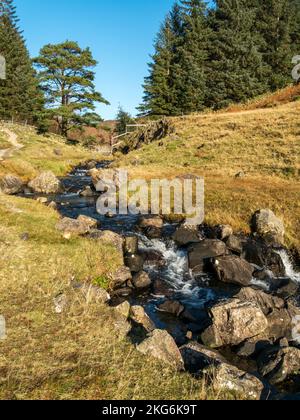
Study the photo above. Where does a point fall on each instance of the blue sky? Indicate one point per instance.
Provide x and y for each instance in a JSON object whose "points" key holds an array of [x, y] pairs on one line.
{"points": [[119, 32]]}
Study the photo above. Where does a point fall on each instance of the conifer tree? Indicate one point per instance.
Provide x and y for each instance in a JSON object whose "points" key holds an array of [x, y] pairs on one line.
{"points": [[158, 92], [191, 57], [275, 24], [19, 95], [237, 70], [66, 74], [123, 118]]}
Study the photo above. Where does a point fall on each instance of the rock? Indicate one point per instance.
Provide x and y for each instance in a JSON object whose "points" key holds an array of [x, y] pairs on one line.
{"points": [[91, 165], [266, 302], [197, 357], [123, 309], [72, 228], [153, 257], [277, 364], [109, 237], [234, 270], [160, 345], [122, 293], [279, 315], [25, 236], [151, 226], [141, 280], [240, 175], [87, 192], [284, 288], [172, 307], [121, 277], [266, 224], [52, 205], [42, 200], [122, 327], [187, 234], [162, 288], [235, 244], [262, 255], [11, 184], [134, 262], [252, 347], [224, 232], [234, 322], [138, 315], [228, 378], [209, 248], [106, 176], [131, 245], [94, 294], [89, 221], [46, 183], [60, 303]]}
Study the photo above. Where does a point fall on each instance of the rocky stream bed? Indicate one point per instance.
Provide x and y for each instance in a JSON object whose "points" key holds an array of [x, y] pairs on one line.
{"points": [[229, 301]]}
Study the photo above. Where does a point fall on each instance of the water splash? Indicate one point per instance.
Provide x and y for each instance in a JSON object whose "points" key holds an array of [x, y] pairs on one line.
{"points": [[289, 268], [177, 274]]}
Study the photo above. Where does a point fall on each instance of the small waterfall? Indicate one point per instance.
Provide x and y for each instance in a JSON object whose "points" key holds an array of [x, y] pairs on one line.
{"points": [[290, 271], [176, 272]]}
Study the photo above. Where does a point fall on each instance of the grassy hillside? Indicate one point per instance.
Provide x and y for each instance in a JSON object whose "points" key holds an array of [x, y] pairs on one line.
{"points": [[76, 355], [40, 153], [264, 144]]}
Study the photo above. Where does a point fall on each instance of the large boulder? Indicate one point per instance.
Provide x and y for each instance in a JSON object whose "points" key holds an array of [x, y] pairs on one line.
{"points": [[263, 255], [45, 183], [11, 184], [72, 228], [266, 302], [109, 237], [278, 363], [89, 221], [234, 270], [266, 224], [197, 357], [139, 316], [160, 345], [229, 379], [172, 307], [187, 234], [141, 280], [233, 322], [134, 262], [204, 250], [120, 278], [235, 244], [280, 315], [151, 226]]}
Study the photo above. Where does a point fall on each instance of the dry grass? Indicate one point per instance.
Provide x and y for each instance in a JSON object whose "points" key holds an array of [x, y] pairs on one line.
{"points": [[280, 97], [40, 153], [76, 355], [263, 143]]}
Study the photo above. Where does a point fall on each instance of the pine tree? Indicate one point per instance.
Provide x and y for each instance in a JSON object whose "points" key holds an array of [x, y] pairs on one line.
{"points": [[19, 95], [158, 94], [274, 23], [191, 57], [67, 78], [123, 118], [237, 70]]}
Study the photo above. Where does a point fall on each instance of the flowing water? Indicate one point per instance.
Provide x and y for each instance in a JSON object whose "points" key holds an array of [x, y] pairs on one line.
{"points": [[194, 293]]}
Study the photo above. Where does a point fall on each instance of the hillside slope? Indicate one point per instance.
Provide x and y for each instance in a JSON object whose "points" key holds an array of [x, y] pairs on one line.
{"points": [[261, 145], [39, 153]]}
